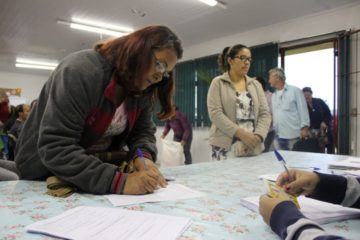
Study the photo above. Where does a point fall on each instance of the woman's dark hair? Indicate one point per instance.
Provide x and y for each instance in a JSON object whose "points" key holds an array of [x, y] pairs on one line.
{"points": [[19, 109], [307, 89], [132, 56], [229, 53]]}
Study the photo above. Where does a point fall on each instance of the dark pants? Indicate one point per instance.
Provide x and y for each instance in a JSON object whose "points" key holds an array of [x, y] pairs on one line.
{"points": [[269, 140], [187, 146], [330, 145]]}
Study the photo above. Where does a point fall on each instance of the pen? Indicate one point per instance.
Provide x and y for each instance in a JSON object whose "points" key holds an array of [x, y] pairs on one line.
{"points": [[281, 159], [140, 154]]}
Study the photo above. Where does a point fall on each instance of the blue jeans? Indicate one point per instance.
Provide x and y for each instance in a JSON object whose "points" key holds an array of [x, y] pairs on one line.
{"points": [[285, 144]]}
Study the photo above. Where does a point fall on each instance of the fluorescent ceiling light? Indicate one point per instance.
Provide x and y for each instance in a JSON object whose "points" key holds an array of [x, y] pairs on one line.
{"points": [[97, 27], [22, 65], [37, 64], [96, 30], [118, 28], [209, 2], [212, 3]]}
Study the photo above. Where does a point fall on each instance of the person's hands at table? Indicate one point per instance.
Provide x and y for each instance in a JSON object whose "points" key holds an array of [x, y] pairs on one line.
{"points": [[150, 167], [267, 205], [141, 182], [248, 138], [302, 182]]}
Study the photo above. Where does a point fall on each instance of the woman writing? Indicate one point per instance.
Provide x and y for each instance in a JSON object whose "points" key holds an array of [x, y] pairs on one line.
{"points": [[94, 104]]}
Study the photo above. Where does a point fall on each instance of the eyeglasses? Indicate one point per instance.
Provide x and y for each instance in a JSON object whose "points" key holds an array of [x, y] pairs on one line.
{"points": [[243, 58], [160, 67]]}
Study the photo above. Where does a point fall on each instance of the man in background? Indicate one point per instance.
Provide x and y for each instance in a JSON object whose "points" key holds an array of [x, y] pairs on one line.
{"points": [[290, 113], [182, 132], [320, 120]]}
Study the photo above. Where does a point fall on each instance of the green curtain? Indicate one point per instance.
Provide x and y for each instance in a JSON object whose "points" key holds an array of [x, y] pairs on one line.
{"points": [[193, 79], [343, 80], [265, 57], [184, 96], [206, 69], [185, 89]]}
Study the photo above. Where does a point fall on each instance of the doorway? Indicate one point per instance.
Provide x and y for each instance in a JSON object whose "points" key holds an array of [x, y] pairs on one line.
{"points": [[314, 66]]}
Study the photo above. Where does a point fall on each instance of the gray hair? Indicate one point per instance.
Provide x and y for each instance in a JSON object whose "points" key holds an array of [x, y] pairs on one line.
{"points": [[279, 72]]}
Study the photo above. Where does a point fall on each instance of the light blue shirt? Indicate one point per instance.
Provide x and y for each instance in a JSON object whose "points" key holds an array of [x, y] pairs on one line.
{"points": [[290, 112]]}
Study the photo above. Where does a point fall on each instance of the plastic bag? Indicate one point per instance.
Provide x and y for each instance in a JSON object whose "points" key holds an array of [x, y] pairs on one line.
{"points": [[173, 154]]}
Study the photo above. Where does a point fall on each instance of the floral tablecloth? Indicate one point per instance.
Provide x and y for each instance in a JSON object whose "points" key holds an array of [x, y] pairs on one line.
{"points": [[219, 215]]}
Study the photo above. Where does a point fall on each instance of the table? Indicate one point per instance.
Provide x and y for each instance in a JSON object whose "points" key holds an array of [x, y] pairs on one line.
{"points": [[219, 215]]}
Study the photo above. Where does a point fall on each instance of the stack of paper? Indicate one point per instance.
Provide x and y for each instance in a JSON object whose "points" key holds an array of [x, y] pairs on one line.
{"points": [[97, 223], [172, 192], [355, 173], [348, 163], [318, 211]]}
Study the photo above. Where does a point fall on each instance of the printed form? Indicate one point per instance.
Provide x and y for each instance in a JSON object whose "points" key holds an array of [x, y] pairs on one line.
{"points": [[172, 192], [95, 223]]}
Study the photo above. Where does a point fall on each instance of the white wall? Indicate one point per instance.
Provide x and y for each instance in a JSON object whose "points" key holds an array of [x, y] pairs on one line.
{"points": [[30, 84], [328, 22]]}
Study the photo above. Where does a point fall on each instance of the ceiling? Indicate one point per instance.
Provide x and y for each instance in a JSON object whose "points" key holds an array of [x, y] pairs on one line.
{"points": [[28, 28]]}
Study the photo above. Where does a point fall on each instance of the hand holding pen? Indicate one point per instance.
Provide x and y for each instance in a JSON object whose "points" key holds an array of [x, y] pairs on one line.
{"points": [[304, 182], [150, 167], [296, 182]]}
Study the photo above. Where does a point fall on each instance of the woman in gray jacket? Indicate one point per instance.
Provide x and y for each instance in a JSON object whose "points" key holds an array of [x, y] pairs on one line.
{"points": [[237, 107], [96, 103]]}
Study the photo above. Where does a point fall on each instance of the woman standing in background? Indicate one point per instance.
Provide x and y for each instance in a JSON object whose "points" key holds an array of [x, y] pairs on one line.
{"points": [[237, 107]]}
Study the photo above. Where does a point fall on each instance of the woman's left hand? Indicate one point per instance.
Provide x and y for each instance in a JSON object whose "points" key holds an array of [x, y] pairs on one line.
{"points": [[267, 205], [150, 166]]}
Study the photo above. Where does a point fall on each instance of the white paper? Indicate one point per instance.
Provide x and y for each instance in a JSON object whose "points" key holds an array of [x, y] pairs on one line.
{"points": [[270, 177], [318, 211], [348, 163], [98, 223], [172, 192], [353, 172]]}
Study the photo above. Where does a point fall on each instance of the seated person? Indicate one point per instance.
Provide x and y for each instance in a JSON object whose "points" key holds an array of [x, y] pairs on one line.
{"points": [[22, 112], [288, 222]]}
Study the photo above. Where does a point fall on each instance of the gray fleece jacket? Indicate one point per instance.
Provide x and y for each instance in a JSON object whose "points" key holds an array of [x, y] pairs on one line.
{"points": [[74, 108]]}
